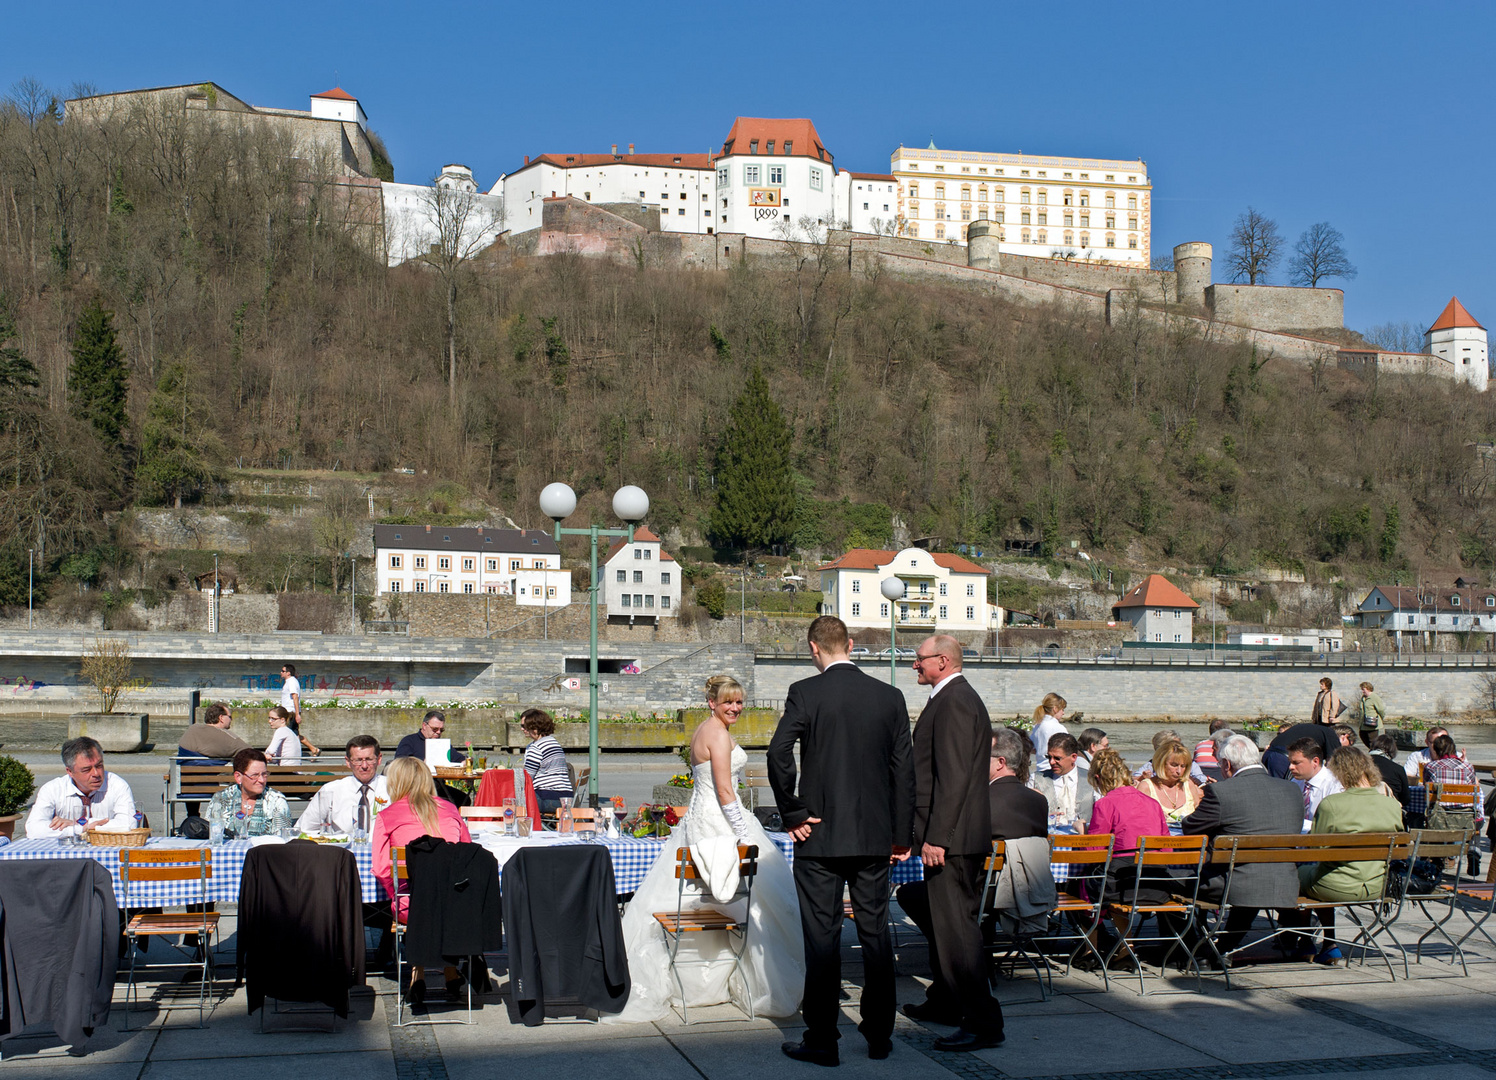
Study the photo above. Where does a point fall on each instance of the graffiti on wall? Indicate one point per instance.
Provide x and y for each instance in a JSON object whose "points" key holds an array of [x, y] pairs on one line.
{"points": [[350, 685], [20, 684]]}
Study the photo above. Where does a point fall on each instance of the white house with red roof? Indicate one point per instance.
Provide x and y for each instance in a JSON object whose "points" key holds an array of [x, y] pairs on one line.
{"points": [[679, 186], [1159, 610], [775, 176], [943, 593], [522, 563], [870, 201], [641, 580], [1459, 340]]}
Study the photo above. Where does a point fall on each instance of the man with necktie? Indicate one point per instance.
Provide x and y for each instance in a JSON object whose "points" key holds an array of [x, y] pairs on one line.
{"points": [[351, 802]]}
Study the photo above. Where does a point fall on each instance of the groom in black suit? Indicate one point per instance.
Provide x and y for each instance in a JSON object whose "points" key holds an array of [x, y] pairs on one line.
{"points": [[852, 814], [952, 825]]}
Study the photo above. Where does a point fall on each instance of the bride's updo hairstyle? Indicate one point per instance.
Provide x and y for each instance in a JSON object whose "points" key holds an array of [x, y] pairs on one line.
{"points": [[722, 687]]}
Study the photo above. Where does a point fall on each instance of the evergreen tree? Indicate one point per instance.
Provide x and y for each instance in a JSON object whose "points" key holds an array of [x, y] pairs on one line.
{"points": [[17, 374], [177, 448], [755, 485], [1391, 525], [97, 380]]}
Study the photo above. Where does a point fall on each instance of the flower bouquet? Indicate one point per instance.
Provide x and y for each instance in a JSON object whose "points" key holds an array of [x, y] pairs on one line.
{"points": [[652, 820]]}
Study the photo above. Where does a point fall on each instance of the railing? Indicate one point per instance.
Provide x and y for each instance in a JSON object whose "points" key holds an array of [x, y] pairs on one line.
{"points": [[1221, 657]]}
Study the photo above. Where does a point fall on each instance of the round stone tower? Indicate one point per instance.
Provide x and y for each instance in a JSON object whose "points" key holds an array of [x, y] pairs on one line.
{"points": [[1192, 264], [981, 245]]}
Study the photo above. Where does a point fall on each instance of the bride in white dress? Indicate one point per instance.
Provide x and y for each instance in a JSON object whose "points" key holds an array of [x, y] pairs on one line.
{"points": [[714, 823]]}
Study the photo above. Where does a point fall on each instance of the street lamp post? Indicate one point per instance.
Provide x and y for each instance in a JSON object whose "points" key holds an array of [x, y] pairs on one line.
{"points": [[630, 504], [893, 589]]}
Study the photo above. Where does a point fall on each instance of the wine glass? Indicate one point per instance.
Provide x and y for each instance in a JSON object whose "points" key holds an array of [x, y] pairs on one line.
{"points": [[620, 811]]}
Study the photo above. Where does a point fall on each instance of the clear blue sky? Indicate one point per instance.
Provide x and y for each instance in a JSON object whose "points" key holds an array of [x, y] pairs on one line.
{"points": [[1375, 117]]}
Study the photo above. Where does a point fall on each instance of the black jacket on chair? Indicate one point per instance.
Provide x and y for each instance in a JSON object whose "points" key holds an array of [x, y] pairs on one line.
{"points": [[857, 777], [455, 910], [952, 748], [60, 933], [301, 931], [565, 936]]}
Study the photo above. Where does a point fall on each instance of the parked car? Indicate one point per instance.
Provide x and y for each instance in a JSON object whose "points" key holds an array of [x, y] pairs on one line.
{"points": [[970, 654], [862, 650]]}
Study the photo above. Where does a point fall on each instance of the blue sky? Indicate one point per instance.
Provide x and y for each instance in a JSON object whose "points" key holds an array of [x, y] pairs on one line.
{"points": [[1375, 117]]}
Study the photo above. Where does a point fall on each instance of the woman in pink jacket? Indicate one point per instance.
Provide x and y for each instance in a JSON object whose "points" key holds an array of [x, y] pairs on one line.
{"points": [[414, 811], [1127, 814]]}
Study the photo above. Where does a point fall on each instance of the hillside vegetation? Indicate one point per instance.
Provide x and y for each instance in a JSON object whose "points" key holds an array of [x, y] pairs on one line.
{"points": [[250, 329]]}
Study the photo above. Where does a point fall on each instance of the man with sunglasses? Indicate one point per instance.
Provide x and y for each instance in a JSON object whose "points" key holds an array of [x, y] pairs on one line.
{"points": [[87, 797]]}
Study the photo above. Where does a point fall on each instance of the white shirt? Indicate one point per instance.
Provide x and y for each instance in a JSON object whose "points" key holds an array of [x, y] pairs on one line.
{"points": [[941, 684], [289, 687], [1041, 734], [284, 748], [1065, 792], [1324, 783], [61, 798], [337, 804]]}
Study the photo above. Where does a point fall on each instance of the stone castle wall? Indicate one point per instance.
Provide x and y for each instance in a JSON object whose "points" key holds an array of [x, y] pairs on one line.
{"points": [[1276, 307]]}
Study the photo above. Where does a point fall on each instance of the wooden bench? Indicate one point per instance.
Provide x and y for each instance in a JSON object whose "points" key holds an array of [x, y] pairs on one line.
{"points": [[189, 782], [1297, 850]]}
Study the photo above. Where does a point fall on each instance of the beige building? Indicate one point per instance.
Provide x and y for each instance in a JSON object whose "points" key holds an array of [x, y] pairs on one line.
{"points": [[1085, 209]]}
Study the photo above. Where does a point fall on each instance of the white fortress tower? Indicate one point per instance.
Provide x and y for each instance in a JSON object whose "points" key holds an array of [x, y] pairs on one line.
{"points": [[1461, 341]]}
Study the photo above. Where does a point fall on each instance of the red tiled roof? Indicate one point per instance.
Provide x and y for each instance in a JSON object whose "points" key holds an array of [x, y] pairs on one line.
{"points": [[871, 559], [800, 133], [656, 161], [1405, 598], [886, 177], [1155, 591], [1454, 315], [640, 534], [336, 92]]}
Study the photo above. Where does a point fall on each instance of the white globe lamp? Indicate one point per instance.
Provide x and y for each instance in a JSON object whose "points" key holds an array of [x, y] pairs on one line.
{"points": [[557, 501], [630, 503]]}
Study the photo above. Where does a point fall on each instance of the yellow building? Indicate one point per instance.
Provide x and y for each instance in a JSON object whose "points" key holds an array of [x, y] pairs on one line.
{"points": [[1087, 209]]}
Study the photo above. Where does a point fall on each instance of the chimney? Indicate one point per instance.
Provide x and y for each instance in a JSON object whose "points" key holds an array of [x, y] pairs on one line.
{"points": [[480, 530], [527, 159], [428, 528], [615, 149], [631, 148]]}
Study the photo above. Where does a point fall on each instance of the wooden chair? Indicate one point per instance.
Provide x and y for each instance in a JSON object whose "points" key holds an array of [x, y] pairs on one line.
{"points": [[1092, 856], [1177, 863], [400, 875], [1001, 946], [137, 867], [682, 921], [1442, 849]]}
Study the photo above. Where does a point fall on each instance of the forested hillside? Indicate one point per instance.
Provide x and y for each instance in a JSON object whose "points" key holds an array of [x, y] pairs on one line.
{"points": [[178, 301]]}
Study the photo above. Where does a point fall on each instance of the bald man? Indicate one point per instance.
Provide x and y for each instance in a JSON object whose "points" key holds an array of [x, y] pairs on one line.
{"points": [[953, 834]]}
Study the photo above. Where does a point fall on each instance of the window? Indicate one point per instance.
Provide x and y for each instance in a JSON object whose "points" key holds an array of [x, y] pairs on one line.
{"points": [[394, 562], [971, 590], [1132, 242], [942, 588], [856, 611], [1132, 202], [444, 563], [623, 575], [394, 586], [420, 586], [1025, 238], [1085, 221], [1111, 221], [965, 213], [638, 553], [1069, 239], [420, 562], [1069, 220], [537, 564], [626, 600], [649, 600], [469, 564], [753, 146], [914, 189], [940, 191], [1002, 217], [883, 611], [493, 564], [442, 586], [856, 585], [1085, 200], [1491, 601], [942, 611], [1043, 198], [971, 612], [789, 146], [1176, 637], [638, 600], [815, 179], [1110, 178], [1025, 218], [751, 173], [903, 611], [1132, 222], [924, 611], [913, 229], [1454, 601], [966, 192], [1043, 218], [1176, 615], [1111, 241], [1043, 236], [770, 147], [648, 554], [638, 577], [982, 194], [665, 577], [665, 600], [776, 174], [1111, 201], [997, 195], [467, 586], [513, 564], [1023, 196], [723, 175]]}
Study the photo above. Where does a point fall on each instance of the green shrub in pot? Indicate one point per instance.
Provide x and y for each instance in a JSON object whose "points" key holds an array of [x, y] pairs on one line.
{"points": [[16, 786]]}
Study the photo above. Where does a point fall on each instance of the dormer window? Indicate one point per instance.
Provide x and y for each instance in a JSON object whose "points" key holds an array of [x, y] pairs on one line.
{"points": [[770, 146], [789, 146], [1454, 601]]}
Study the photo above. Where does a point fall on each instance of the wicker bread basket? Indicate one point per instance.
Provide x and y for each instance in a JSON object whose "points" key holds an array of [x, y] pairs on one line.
{"points": [[129, 838]]}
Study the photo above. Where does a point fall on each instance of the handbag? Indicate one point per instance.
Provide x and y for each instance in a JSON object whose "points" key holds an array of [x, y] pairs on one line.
{"points": [[1447, 818]]}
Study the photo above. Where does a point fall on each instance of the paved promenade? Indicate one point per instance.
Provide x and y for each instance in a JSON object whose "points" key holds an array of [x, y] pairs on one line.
{"points": [[1281, 1020]]}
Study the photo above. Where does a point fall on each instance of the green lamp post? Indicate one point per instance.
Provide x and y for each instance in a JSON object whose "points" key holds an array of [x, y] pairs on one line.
{"points": [[630, 504]]}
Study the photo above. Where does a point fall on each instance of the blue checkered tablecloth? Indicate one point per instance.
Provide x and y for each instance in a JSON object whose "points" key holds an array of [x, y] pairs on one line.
{"points": [[1417, 799]]}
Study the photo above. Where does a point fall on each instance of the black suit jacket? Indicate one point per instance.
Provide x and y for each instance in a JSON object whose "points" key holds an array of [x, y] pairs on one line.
{"points": [[1252, 803], [1016, 810], [1395, 776], [952, 748], [856, 772]]}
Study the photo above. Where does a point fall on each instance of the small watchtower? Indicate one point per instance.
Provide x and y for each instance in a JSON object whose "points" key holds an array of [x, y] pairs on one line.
{"points": [[1461, 341]]}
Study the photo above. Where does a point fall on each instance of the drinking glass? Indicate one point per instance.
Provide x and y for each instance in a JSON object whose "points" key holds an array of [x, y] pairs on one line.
{"points": [[215, 833], [510, 808], [523, 825]]}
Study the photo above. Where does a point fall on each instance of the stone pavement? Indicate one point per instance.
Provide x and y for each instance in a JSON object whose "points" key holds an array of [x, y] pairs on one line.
{"points": [[1281, 1020]]}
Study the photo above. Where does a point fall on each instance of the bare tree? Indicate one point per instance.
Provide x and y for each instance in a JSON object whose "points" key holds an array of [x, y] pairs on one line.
{"points": [[1395, 337], [1256, 246], [1319, 253], [462, 223]]}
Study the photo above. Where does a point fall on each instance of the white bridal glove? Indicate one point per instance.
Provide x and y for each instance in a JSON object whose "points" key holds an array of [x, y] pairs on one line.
{"points": [[733, 812]]}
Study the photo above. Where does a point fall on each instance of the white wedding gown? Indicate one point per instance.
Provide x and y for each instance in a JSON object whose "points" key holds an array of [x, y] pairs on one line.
{"points": [[774, 959]]}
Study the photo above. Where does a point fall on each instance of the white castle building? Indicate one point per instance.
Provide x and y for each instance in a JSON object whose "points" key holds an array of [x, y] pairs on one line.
{"points": [[451, 209], [1460, 341], [679, 187]]}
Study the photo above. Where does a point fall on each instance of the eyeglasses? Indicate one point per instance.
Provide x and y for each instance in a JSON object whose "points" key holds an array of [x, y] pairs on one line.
{"points": [[918, 659]]}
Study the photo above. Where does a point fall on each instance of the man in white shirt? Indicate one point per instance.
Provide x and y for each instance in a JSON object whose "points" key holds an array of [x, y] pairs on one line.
{"points": [[88, 797], [1419, 758], [291, 702], [353, 801], [1066, 788], [1309, 772]]}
